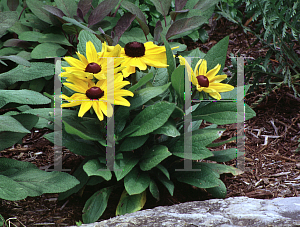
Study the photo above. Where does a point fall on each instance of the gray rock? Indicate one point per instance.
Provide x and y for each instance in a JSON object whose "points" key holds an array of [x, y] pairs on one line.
{"points": [[238, 211]]}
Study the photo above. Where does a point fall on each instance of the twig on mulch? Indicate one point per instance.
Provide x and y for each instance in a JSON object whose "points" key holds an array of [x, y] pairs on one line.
{"points": [[283, 134]]}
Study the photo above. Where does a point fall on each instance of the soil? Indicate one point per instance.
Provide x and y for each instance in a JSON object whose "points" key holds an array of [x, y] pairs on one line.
{"points": [[271, 166]]}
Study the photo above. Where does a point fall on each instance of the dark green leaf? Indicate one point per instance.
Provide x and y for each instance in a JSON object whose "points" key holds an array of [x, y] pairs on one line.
{"points": [[7, 19], [96, 205], [69, 7], [48, 50], [205, 5], [126, 164], [136, 181], [167, 183], [54, 38], [30, 36], [218, 192], [162, 6], [37, 8], [168, 129], [16, 59], [170, 57], [152, 117], [132, 143], [225, 155], [177, 80], [94, 168], [153, 157], [154, 189], [84, 37], [141, 82]]}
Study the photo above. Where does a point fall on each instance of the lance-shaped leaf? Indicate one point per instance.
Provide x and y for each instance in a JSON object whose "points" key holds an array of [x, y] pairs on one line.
{"points": [[184, 25], [22, 97], [123, 23], [157, 30], [84, 6], [69, 7], [153, 157], [55, 11], [16, 59], [152, 118], [222, 113], [174, 14], [162, 6], [101, 11], [140, 17], [75, 22], [37, 8], [96, 205], [179, 4], [16, 43], [205, 5]]}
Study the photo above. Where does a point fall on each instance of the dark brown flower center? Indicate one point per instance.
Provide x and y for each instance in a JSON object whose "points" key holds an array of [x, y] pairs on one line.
{"points": [[134, 49], [203, 81], [94, 93], [93, 68]]}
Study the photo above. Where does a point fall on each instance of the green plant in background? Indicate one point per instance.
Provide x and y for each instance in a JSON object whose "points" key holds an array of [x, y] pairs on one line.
{"points": [[148, 132], [277, 28]]}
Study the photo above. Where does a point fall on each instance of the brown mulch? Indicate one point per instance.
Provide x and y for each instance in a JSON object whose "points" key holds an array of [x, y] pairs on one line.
{"points": [[272, 166]]}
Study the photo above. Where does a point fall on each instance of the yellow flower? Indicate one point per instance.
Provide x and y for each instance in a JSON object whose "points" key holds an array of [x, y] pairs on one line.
{"points": [[140, 55], [94, 63], [90, 94], [207, 81]]}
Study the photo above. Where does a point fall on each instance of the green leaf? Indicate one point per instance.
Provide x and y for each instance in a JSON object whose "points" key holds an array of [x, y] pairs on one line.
{"points": [[22, 97], [225, 141], [200, 139], [218, 192], [144, 95], [140, 17], [167, 183], [31, 180], [101, 11], [10, 124], [205, 5], [17, 59], [205, 178], [168, 129], [163, 170], [75, 22], [127, 163], [130, 203], [236, 92], [18, 28], [154, 189], [37, 8], [95, 168], [162, 6], [23, 73], [54, 38], [217, 54], [48, 50], [14, 128], [7, 20], [136, 181], [184, 25], [170, 58], [152, 118], [133, 143], [96, 205], [69, 7], [141, 82], [135, 34], [32, 36], [81, 176], [177, 80], [84, 37], [225, 155], [153, 157], [222, 113], [87, 129], [219, 168]]}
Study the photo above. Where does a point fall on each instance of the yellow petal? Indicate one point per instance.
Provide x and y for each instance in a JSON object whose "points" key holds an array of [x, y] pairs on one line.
{"points": [[83, 59], [219, 87], [215, 95], [98, 111], [91, 52], [75, 63], [218, 78], [85, 106], [211, 73], [203, 67]]}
